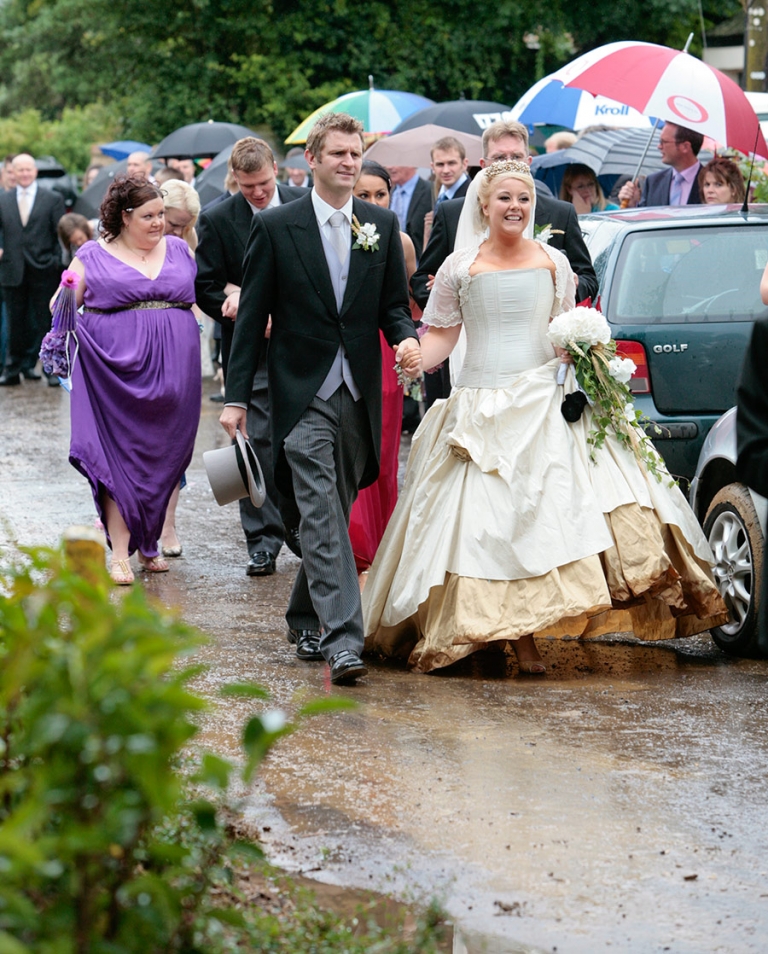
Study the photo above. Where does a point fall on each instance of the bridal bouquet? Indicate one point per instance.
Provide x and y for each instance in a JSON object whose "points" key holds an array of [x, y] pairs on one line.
{"points": [[603, 377]]}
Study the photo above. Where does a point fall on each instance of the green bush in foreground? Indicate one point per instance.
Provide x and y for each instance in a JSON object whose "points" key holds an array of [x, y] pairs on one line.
{"points": [[101, 850]]}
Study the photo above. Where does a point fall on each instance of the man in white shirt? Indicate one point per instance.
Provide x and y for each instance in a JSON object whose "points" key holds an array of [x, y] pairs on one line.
{"points": [[411, 202], [327, 298], [30, 267]]}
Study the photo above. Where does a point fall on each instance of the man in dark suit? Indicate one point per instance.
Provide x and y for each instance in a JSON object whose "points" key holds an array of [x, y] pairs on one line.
{"points": [[411, 201], [752, 436], [502, 140], [327, 299], [678, 185], [223, 235], [30, 267]]}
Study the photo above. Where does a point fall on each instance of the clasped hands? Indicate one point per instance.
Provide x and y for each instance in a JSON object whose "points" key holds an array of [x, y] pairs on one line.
{"points": [[408, 356]]}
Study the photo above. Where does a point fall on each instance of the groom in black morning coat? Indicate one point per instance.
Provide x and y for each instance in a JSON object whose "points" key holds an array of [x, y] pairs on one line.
{"points": [[327, 302]]}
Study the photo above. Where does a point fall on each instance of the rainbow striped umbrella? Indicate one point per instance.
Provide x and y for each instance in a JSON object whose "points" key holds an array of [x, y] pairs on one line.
{"points": [[379, 110]]}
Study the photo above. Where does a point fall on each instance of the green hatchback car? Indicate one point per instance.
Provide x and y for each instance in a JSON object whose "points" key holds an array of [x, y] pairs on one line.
{"points": [[680, 288]]}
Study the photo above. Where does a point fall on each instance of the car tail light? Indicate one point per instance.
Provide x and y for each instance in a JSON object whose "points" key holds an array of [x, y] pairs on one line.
{"points": [[641, 379]]}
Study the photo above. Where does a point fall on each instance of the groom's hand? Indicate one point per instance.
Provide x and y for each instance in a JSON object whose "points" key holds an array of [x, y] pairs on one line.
{"points": [[233, 419], [408, 356]]}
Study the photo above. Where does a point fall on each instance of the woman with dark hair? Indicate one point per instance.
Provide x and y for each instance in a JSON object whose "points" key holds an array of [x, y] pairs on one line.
{"points": [[721, 181], [136, 381], [74, 230], [581, 188], [374, 504]]}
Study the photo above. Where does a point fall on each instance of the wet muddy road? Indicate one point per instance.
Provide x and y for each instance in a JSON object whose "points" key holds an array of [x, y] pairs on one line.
{"points": [[617, 803]]}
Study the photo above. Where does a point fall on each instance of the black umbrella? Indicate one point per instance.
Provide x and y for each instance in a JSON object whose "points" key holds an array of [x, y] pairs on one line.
{"points": [[609, 154], [200, 140], [210, 182], [89, 201], [466, 115], [52, 175]]}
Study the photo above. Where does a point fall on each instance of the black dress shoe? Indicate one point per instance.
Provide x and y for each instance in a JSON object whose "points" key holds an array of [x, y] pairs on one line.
{"points": [[31, 375], [292, 540], [346, 667], [307, 642], [261, 564], [10, 380], [218, 398], [53, 381]]}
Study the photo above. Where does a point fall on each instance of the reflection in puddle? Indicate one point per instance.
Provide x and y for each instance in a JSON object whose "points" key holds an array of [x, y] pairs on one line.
{"points": [[468, 943]]}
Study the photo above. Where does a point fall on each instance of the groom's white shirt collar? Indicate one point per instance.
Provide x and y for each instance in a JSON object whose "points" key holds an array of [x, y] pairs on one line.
{"points": [[323, 211]]}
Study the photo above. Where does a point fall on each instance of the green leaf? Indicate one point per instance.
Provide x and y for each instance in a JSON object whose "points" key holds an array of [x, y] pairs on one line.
{"points": [[205, 814], [329, 704], [247, 850], [9, 945], [214, 771], [249, 690], [227, 916]]}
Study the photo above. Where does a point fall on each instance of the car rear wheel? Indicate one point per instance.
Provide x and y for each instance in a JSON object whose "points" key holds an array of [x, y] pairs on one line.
{"points": [[733, 530]]}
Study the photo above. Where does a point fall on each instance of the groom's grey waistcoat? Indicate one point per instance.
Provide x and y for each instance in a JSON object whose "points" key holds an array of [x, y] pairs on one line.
{"points": [[340, 369]]}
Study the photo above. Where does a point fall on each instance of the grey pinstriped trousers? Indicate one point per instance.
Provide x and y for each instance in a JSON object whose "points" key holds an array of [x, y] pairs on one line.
{"points": [[327, 451]]}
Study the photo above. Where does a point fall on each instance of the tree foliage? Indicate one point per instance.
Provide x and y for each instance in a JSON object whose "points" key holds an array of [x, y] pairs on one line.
{"points": [[268, 64]]}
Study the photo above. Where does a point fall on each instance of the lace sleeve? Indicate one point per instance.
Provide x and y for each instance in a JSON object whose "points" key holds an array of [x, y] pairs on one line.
{"points": [[444, 306], [565, 286]]}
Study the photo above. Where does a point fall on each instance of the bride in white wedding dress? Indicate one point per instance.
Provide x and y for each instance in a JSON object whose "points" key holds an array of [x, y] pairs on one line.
{"points": [[506, 529]]}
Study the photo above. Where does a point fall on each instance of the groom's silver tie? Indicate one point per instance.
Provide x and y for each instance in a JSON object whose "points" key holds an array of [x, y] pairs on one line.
{"points": [[340, 245]]}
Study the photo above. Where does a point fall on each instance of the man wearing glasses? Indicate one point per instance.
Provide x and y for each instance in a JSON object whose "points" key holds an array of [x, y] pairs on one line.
{"points": [[677, 185]]}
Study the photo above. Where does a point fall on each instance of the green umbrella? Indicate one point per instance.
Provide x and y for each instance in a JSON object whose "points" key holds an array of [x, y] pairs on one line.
{"points": [[379, 110]]}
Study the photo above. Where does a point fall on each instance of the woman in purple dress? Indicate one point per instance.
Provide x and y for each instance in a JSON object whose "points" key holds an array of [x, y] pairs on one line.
{"points": [[136, 383]]}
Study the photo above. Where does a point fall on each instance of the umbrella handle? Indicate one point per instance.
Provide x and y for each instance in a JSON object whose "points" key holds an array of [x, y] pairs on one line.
{"points": [[645, 151], [656, 126]]}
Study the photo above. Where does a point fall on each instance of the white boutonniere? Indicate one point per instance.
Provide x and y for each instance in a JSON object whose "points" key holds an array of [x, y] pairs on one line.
{"points": [[545, 232], [366, 236]]}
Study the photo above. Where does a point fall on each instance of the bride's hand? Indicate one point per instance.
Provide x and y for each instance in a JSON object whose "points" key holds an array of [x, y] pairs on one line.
{"points": [[408, 356], [565, 356]]}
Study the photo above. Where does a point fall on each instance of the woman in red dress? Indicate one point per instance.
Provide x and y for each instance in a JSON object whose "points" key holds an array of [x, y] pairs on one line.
{"points": [[374, 505]]}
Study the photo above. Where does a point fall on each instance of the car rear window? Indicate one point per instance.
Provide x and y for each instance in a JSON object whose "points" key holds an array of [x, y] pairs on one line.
{"points": [[690, 275]]}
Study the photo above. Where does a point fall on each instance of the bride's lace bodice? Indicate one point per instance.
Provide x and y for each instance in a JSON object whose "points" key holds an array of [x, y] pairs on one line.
{"points": [[505, 315]]}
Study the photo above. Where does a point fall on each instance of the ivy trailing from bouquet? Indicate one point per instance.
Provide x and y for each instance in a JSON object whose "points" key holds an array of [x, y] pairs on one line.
{"points": [[603, 376]]}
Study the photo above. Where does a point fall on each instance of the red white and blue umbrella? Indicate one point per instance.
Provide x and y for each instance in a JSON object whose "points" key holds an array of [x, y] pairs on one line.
{"points": [[670, 84], [550, 103], [379, 110]]}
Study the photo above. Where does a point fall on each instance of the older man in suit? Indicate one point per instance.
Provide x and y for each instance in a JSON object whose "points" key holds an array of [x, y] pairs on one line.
{"points": [[30, 267], [223, 235], [330, 272], [678, 185], [411, 201]]}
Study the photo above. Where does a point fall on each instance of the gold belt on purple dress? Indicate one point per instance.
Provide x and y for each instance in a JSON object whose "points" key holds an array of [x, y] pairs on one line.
{"points": [[137, 306]]}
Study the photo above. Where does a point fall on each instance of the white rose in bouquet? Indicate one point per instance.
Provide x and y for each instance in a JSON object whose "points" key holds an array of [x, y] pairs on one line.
{"points": [[586, 327], [621, 369]]}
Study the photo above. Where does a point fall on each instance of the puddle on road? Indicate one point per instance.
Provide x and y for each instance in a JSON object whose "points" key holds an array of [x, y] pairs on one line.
{"points": [[618, 801]]}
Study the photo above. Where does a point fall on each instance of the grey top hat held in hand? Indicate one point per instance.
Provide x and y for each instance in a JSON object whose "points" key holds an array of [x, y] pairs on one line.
{"points": [[234, 472]]}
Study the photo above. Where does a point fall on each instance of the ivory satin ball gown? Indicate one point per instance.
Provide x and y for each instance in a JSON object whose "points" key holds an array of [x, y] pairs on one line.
{"points": [[505, 526]]}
